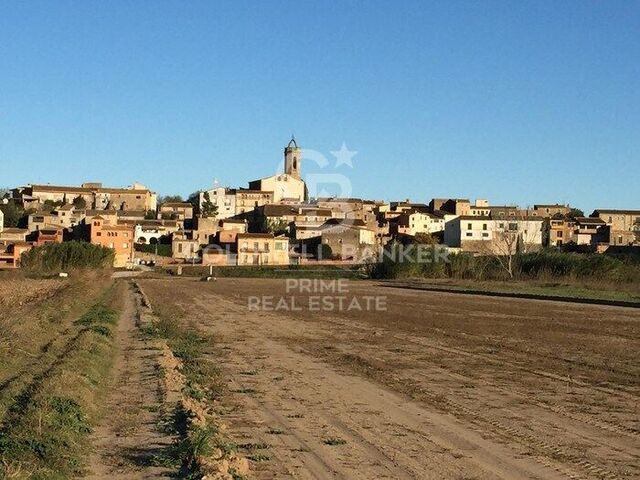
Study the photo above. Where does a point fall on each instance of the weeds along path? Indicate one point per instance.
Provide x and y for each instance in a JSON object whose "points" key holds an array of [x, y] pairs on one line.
{"points": [[129, 442]]}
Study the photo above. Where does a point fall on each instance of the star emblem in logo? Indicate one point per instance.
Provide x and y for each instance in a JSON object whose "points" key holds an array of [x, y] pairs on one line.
{"points": [[344, 156]]}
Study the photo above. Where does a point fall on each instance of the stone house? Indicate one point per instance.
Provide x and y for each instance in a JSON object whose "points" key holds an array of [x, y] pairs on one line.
{"points": [[624, 225], [184, 247], [95, 196], [176, 211]]}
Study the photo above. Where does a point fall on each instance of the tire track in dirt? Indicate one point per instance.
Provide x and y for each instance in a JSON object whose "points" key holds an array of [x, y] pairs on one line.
{"points": [[481, 421], [603, 424], [448, 440]]}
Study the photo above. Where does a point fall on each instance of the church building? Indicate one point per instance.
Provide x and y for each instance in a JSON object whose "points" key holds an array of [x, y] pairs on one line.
{"points": [[287, 187]]}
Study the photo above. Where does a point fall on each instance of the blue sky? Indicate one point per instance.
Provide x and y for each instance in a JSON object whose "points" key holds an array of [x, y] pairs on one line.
{"points": [[517, 102]]}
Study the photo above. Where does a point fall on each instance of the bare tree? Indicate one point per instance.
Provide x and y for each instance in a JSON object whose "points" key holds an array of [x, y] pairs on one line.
{"points": [[513, 236]]}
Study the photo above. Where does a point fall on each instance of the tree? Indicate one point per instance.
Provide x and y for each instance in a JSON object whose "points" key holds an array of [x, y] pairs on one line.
{"points": [[513, 237], [575, 212], [171, 199], [150, 215], [194, 200], [277, 226], [80, 203], [209, 209], [13, 214]]}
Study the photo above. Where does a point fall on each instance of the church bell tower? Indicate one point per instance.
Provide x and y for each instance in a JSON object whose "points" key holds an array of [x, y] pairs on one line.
{"points": [[292, 158]]}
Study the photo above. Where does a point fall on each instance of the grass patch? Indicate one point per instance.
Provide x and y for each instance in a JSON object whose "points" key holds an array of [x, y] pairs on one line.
{"points": [[332, 441], [44, 431]]}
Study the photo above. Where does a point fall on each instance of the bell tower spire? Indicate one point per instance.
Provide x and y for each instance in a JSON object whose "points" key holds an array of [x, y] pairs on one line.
{"points": [[292, 158]]}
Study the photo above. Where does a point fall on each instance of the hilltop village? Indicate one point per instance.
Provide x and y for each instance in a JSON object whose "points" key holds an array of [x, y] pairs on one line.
{"points": [[273, 221]]}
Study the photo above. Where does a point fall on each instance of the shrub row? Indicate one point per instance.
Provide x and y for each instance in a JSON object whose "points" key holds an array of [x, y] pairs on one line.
{"points": [[54, 257], [546, 264]]}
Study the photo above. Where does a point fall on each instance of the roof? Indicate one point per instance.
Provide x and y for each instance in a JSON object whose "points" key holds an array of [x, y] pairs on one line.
{"points": [[14, 230], [66, 206], [551, 205], [131, 213], [232, 220], [616, 212], [272, 210], [339, 200], [255, 235], [475, 217], [177, 204], [49, 231], [91, 213], [64, 189], [292, 143], [597, 220]]}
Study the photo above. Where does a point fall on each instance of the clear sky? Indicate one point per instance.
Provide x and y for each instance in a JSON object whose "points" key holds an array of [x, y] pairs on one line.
{"points": [[518, 102]]}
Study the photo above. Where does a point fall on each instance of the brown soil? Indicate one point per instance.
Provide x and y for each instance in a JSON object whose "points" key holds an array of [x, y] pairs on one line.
{"points": [[129, 443], [438, 386]]}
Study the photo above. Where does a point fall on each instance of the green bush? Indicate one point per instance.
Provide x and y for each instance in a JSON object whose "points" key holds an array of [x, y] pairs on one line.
{"points": [[54, 257], [163, 249]]}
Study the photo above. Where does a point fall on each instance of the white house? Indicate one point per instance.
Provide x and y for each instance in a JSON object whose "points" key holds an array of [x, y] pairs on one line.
{"points": [[413, 222], [498, 236], [222, 197]]}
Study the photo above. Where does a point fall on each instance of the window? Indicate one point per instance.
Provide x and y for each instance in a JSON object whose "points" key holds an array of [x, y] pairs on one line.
{"points": [[485, 234], [255, 246], [484, 226], [469, 226], [98, 234], [469, 234], [559, 234], [266, 246], [513, 227], [179, 248]]}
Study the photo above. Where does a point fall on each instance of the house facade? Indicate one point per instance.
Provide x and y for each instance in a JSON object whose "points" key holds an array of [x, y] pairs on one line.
{"points": [[262, 249], [486, 235], [119, 238], [624, 225], [414, 222], [176, 211]]}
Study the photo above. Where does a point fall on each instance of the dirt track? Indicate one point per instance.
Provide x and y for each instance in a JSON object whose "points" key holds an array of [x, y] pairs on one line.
{"points": [[438, 386]]}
